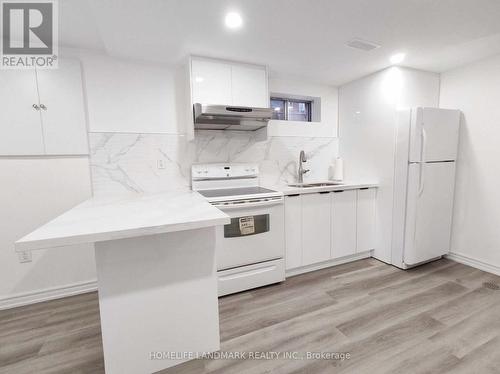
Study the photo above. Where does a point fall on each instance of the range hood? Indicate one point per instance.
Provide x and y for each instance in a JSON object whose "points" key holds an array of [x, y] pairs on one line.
{"points": [[224, 117]]}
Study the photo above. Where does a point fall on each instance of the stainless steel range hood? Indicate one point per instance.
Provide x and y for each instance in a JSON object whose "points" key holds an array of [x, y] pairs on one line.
{"points": [[224, 117]]}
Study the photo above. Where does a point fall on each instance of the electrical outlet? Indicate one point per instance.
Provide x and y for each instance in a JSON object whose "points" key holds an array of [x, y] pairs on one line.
{"points": [[24, 256], [160, 164]]}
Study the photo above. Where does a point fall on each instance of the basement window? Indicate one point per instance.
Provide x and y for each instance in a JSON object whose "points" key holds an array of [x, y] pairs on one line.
{"points": [[295, 108]]}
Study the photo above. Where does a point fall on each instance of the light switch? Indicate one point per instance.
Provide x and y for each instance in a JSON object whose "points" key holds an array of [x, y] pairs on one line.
{"points": [[160, 164]]}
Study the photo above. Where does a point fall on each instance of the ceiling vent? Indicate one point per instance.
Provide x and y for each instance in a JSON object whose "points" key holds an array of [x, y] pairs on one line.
{"points": [[363, 45]]}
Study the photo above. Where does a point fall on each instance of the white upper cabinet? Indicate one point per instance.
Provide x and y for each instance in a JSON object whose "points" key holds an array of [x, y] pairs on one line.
{"points": [[249, 86], [43, 111], [63, 115], [211, 82], [343, 223], [227, 83], [20, 114]]}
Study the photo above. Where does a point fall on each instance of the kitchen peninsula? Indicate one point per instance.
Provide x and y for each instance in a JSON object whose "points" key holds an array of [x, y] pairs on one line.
{"points": [[155, 259]]}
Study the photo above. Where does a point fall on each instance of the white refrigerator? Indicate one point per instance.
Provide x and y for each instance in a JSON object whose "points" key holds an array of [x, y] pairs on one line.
{"points": [[424, 184]]}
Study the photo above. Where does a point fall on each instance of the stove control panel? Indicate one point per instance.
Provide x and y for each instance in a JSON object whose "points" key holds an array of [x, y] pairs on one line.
{"points": [[224, 171]]}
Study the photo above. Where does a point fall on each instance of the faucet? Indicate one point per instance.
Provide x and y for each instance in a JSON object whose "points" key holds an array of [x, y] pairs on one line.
{"points": [[302, 171]]}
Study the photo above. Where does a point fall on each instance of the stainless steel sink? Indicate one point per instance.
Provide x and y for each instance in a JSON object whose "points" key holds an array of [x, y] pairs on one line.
{"points": [[318, 184]]}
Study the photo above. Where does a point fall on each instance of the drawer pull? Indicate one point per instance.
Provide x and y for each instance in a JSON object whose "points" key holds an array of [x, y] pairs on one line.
{"points": [[247, 273]]}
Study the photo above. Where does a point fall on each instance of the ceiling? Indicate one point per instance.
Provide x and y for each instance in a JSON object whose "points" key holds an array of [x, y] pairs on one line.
{"points": [[303, 38]]}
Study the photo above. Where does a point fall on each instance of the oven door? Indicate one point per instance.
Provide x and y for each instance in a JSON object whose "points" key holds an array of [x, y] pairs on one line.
{"points": [[256, 234]]}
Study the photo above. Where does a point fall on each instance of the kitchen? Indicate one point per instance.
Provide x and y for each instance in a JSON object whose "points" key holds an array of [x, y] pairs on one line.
{"points": [[305, 209]]}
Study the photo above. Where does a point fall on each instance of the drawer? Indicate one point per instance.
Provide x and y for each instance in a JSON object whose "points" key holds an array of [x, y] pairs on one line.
{"points": [[250, 276]]}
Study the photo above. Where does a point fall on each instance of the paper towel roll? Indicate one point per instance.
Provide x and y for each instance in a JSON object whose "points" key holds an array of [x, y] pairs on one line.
{"points": [[338, 170]]}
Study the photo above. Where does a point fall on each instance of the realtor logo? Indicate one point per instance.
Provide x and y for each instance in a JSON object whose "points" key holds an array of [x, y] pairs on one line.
{"points": [[29, 34]]}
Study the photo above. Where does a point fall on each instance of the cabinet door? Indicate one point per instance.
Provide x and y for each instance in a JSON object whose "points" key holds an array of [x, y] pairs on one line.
{"points": [[315, 228], [64, 123], [249, 86], [19, 120], [343, 223], [293, 231], [211, 82], [366, 219]]}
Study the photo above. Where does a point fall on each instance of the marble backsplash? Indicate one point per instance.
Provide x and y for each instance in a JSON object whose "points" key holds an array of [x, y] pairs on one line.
{"points": [[124, 162]]}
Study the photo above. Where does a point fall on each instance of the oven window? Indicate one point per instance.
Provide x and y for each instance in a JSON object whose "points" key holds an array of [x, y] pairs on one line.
{"points": [[247, 225]]}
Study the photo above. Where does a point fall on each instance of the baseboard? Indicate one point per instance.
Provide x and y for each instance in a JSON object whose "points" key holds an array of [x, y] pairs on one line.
{"points": [[326, 264], [474, 263], [47, 294]]}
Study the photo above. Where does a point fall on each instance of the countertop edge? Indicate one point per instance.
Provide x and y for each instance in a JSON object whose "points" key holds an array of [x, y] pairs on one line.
{"points": [[286, 190], [21, 245]]}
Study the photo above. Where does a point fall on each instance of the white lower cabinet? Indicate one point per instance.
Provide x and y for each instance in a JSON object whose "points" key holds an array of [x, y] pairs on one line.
{"points": [[315, 228], [293, 233], [343, 230], [366, 219], [326, 226]]}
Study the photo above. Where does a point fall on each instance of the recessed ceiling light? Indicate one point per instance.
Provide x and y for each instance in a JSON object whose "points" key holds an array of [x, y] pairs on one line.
{"points": [[233, 20], [397, 58]]}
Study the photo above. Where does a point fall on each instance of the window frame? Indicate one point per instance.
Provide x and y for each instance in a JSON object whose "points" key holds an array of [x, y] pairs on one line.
{"points": [[309, 107]]}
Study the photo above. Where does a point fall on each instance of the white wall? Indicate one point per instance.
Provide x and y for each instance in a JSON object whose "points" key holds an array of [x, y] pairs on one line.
{"points": [[131, 96], [367, 112], [475, 90], [34, 191], [328, 95]]}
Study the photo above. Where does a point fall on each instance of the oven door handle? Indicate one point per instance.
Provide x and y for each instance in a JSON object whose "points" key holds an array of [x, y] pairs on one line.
{"points": [[249, 205]]}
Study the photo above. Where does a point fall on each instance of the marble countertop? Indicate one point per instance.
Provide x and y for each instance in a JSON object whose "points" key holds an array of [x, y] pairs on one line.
{"points": [[125, 216], [347, 185]]}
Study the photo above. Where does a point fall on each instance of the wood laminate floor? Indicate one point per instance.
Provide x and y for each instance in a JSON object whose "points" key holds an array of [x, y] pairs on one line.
{"points": [[442, 317]]}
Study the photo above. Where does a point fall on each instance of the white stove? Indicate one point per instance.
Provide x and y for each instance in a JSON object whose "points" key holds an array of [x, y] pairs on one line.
{"points": [[250, 250]]}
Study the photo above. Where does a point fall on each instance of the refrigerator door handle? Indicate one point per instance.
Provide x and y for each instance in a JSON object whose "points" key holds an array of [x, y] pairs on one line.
{"points": [[422, 163], [422, 179], [424, 145]]}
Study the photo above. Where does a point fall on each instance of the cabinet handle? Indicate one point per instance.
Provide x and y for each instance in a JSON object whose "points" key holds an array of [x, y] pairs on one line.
{"points": [[43, 107], [338, 191], [293, 195], [36, 107], [324, 192]]}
